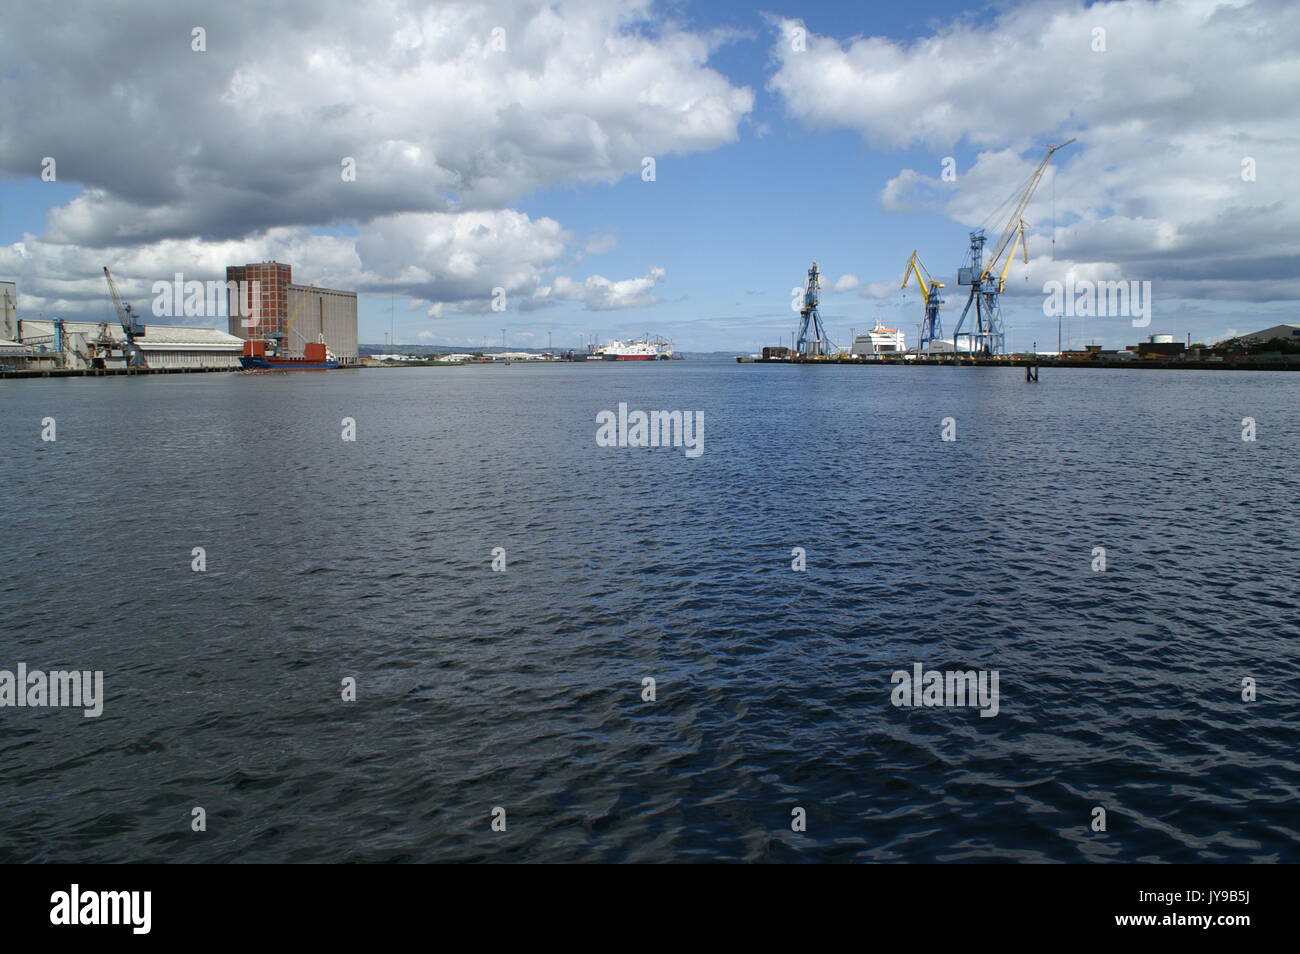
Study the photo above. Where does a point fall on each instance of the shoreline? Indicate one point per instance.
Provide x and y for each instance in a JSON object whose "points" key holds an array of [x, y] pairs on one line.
{"points": [[1133, 363]]}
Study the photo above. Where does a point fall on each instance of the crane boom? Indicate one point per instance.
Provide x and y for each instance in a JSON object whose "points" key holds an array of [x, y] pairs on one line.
{"points": [[1014, 222], [131, 326], [1023, 244], [914, 267]]}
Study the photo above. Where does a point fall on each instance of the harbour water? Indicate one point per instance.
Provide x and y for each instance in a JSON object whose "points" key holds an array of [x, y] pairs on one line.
{"points": [[523, 689]]}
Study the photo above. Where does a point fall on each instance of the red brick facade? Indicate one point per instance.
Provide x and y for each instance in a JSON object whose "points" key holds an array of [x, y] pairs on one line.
{"points": [[274, 280]]}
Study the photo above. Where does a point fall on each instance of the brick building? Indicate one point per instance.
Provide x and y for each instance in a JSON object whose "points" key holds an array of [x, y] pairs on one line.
{"points": [[295, 315]]}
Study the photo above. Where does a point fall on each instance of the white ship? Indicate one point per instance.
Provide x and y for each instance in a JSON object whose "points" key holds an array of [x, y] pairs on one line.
{"points": [[879, 341], [642, 349]]}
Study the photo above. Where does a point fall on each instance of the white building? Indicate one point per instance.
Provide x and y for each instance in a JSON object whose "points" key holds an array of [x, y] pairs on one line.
{"points": [[8, 311], [327, 315], [94, 344]]}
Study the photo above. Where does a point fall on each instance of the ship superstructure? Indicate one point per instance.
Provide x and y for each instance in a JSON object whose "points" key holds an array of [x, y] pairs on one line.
{"points": [[640, 349], [880, 341]]}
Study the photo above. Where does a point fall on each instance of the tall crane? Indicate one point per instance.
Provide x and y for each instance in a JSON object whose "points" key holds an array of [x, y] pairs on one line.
{"points": [[812, 340], [988, 337], [131, 326], [931, 327]]}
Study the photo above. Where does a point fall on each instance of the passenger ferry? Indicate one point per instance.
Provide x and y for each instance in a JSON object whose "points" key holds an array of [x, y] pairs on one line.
{"points": [[879, 341], [643, 349]]}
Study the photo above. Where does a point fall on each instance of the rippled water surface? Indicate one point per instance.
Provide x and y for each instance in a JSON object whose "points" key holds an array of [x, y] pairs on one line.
{"points": [[328, 559]]}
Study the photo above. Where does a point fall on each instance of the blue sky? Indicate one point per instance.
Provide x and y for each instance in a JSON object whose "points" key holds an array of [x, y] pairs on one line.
{"points": [[735, 214]]}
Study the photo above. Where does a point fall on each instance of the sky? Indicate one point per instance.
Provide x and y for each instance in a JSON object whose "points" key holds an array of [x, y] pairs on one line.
{"points": [[503, 193]]}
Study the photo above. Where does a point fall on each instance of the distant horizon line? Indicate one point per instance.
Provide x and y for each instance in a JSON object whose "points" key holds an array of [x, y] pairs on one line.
{"points": [[486, 349]]}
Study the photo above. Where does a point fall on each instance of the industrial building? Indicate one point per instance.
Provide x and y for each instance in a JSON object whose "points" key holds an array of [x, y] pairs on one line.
{"points": [[83, 345], [1158, 346], [8, 312], [1285, 332], [52, 344], [292, 316]]}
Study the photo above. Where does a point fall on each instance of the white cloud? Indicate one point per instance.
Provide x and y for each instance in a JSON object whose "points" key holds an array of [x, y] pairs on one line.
{"points": [[1184, 92], [446, 263], [251, 134], [846, 282], [192, 161], [878, 290], [600, 294]]}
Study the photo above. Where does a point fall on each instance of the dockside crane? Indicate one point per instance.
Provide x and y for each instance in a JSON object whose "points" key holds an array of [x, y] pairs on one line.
{"points": [[931, 326], [131, 326], [987, 336], [812, 341]]}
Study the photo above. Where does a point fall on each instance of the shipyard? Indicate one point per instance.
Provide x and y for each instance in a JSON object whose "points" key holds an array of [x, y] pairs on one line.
{"points": [[356, 362], [275, 325]]}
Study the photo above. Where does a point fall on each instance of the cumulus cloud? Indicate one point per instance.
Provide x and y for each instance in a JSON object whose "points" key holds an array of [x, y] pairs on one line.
{"points": [[600, 294], [446, 263], [1153, 190], [451, 111], [439, 111], [846, 282]]}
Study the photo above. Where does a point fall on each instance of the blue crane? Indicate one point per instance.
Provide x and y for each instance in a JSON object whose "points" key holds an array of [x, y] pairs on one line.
{"points": [[988, 337], [931, 326], [131, 327], [812, 341]]}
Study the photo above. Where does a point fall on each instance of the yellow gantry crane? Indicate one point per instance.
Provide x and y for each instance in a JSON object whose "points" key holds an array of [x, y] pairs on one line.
{"points": [[931, 328], [988, 337]]}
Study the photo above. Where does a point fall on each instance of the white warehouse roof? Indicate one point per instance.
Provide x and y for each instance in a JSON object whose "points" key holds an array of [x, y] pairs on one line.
{"points": [[156, 337]]}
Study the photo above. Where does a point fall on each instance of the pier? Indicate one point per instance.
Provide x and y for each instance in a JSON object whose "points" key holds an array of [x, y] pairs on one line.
{"points": [[108, 372], [1135, 364]]}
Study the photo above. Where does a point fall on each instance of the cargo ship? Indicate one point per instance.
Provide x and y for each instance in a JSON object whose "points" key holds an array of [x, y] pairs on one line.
{"points": [[642, 349], [315, 357]]}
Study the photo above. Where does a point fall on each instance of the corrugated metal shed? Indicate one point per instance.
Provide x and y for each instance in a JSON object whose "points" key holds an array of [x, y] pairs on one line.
{"points": [[328, 313]]}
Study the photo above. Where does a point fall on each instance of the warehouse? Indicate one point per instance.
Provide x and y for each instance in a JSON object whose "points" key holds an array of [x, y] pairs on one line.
{"points": [[52, 343], [8, 311], [1285, 332], [324, 314], [290, 316]]}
